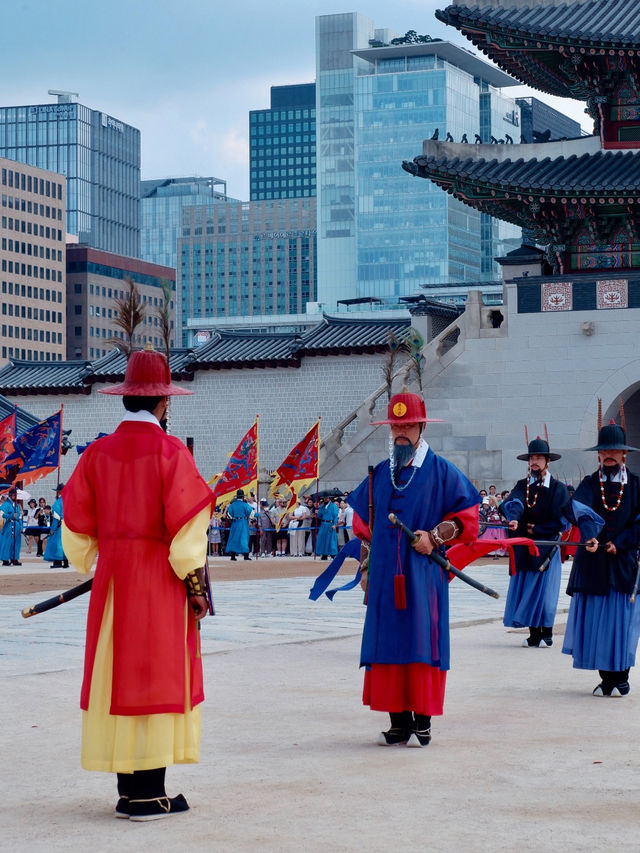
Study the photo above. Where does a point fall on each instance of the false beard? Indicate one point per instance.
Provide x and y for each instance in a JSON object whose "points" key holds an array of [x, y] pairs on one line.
{"points": [[402, 455]]}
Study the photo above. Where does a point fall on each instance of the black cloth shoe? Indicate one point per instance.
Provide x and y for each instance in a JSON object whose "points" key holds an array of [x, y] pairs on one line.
{"points": [[122, 808], [394, 737], [421, 735], [16, 563], [621, 689], [157, 808], [233, 556], [602, 689], [400, 731], [6, 562], [247, 557]]}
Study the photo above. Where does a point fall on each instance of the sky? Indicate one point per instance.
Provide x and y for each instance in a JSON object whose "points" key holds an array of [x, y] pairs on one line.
{"points": [[186, 73]]}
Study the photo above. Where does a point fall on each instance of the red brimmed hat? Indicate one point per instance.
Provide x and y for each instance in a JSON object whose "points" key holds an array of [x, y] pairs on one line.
{"points": [[148, 375], [406, 409]]}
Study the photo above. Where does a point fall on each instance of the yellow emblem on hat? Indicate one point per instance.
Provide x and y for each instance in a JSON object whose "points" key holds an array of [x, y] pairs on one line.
{"points": [[400, 410]]}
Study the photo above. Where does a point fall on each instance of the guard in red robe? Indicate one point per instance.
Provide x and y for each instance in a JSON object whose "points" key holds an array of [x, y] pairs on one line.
{"points": [[137, 499]]}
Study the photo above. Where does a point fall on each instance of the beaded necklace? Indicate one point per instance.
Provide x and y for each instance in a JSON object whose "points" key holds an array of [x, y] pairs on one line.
{"points": [[620, 492], [537, 495], [402, 486]]}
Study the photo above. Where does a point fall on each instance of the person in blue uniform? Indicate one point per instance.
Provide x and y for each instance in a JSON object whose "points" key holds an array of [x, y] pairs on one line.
{"points": [[405, 642], [604, 624], [10, 536], [327, 541], [537, 507], [53, 551], [239, 512]]}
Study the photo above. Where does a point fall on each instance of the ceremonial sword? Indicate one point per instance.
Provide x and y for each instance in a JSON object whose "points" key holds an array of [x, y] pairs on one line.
{"points": [[444, 564]]}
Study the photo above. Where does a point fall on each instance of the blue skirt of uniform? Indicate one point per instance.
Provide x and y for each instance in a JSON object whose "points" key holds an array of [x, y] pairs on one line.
{"points": [[602, 631], [532, 598], [53, 549], [327, 542], [10, 540]]}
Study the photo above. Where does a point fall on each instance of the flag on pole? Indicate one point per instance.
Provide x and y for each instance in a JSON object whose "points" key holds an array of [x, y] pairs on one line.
{"points": [[300, 468], [242, 468], [35, 452], [7, 434]]}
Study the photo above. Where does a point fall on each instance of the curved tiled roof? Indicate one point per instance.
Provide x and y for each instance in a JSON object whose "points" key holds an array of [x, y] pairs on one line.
{"points": [[242, 349], [226, 350], [596, 21], [602, 173], [536, 42], [335, 334], [68, 377]]}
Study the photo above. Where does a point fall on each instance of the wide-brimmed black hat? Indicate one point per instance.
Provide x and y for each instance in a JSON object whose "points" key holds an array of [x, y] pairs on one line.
{"points": [[538, 447], [59, 488], [612, 437], [239, 493]]}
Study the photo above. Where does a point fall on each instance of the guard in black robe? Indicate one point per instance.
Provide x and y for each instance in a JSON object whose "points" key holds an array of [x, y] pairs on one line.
{"points": [[604, 623], [538, 507]]}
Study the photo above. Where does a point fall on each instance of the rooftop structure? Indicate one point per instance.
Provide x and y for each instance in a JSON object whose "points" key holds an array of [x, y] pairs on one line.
{"points": [[580, 198]]}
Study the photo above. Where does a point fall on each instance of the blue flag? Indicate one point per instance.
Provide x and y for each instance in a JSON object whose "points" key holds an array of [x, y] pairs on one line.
{"points": [[35, 453]]}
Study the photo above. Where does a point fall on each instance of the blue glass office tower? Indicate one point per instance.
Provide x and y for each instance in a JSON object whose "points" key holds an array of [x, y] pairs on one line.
{"points": [[381, 234], [162, 203], [282, 144], [100, 157]]}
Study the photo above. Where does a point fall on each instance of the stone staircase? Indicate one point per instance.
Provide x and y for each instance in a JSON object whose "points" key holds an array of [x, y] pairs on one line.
{"points": [[354, 444]]}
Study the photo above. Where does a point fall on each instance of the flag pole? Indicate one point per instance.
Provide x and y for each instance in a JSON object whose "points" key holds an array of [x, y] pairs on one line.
{"points": [[60, 444], [257, 551]]}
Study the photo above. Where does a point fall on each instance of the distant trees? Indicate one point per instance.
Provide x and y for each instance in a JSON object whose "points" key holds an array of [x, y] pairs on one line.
{"points": [[412, 37]]}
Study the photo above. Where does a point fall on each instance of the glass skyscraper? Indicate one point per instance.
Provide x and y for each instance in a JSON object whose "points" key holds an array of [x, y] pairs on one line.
{"points": [[100, 157], [381, 233], [245, 259], [162, 203], [282, 144]]}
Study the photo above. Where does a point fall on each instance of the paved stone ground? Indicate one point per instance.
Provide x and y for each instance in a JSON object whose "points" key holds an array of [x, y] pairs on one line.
{"points": [[524, 758]]}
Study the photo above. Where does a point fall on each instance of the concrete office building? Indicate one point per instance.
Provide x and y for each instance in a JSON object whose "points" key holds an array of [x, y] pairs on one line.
{"points": [[282, 144], [100, 157], [161, 208], [245, 259], [32, 262], [541, 123], [95, 280], [380, 233]]}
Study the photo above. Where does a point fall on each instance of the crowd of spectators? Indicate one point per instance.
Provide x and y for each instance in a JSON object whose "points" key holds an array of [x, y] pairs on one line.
{"points": [[277, 530]]}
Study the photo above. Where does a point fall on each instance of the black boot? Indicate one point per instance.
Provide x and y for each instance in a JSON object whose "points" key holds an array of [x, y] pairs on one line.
{"points": [[534, 639], [614, 683], [421, 731], [546, 636], [124, 795], [149, 800], [400, 731]]}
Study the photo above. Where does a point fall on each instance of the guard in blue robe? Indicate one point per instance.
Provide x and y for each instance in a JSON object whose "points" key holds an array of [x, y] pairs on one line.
{"points": [[53, 551], [11, 533], [239, 512], [604, 624], [405, 642], [537, 507], [327, 541]]}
